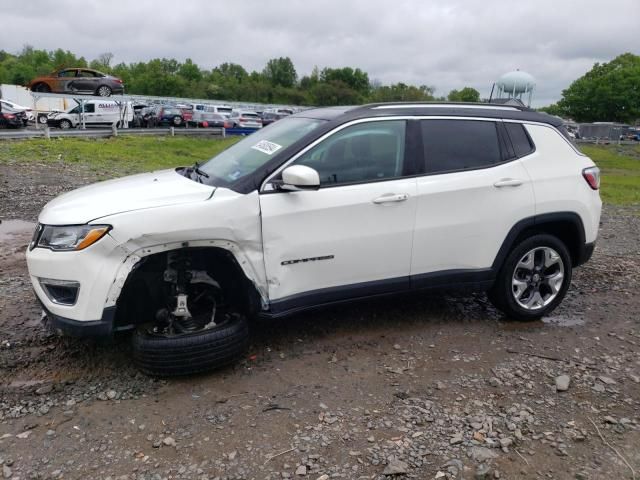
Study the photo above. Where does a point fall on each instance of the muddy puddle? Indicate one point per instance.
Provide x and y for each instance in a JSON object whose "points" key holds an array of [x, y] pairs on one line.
{"points": [[9, 229], [552, 321], [563, 321]]}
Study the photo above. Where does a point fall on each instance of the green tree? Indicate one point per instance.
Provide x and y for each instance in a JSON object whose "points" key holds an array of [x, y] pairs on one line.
{"points": [[231, 71], [190, 71], [553, 109], [354, 79], [401, 92], [103, 62], [467, 94], [607, 92], [280, 71]]}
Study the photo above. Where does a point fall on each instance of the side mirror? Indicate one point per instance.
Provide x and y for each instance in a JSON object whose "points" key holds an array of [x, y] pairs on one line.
{"points": [[300, 177]]}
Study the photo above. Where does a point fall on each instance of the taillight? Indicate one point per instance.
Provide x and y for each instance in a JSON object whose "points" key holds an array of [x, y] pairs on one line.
{"points": [[9, 115], [592, 176], [117, 80]]}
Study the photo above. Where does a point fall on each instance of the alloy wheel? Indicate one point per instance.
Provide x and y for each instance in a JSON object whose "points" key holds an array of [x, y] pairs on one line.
{"points": [[538, 278]]}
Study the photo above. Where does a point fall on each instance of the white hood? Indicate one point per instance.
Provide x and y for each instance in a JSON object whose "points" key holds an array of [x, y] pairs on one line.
{"points": [[136, 192]]}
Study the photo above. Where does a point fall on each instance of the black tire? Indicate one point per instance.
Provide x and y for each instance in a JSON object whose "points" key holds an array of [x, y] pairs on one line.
{"points": [[501, 294], [65, 124], [187, 354], [41, 88], [177, 121], [103, 91]]}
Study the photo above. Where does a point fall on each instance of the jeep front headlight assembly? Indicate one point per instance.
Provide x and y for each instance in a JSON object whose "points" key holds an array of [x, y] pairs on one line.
{"points": [[70, 237]]}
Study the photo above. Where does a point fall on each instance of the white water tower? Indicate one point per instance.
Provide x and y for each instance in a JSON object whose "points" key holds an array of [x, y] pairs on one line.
{"points": [[517, 85]]}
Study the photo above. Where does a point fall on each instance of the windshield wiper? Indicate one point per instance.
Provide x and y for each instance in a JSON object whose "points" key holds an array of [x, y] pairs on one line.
{"points": [[188, 171], [196, 168]]}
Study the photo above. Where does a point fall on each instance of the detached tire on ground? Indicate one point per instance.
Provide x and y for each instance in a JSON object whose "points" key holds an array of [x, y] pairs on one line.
{"points": [[187, 354]]}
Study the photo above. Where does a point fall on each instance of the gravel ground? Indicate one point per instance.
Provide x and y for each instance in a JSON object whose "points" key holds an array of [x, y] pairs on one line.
{"points": [[409, 387]]}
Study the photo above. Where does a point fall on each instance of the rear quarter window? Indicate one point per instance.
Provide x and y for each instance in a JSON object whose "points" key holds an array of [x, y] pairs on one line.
{"points": [[522, 144]]}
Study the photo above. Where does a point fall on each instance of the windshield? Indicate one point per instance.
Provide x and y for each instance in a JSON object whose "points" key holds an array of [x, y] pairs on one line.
{"points": [[246, 156]]}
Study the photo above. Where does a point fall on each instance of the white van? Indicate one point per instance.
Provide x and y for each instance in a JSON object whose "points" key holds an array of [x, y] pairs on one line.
{"points": [[224, 110], [96, 112]]}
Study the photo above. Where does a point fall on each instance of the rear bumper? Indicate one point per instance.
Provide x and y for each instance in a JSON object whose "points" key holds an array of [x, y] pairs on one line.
{"points": [[76, 328]]}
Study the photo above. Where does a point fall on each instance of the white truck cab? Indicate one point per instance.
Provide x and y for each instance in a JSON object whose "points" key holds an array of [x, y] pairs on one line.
{"points": [[95, 112], [323, 206]]}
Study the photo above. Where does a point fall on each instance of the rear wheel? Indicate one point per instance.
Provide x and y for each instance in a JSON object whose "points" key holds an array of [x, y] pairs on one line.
{"points": [[534, 278], [177, 121], [103, 91]]}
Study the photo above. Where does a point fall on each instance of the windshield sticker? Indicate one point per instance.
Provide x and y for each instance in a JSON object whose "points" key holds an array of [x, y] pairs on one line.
{"points": [[265, 146]]}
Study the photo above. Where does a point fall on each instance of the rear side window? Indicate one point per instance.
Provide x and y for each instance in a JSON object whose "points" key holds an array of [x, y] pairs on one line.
{"points": [[451, 145], [521, 142]]}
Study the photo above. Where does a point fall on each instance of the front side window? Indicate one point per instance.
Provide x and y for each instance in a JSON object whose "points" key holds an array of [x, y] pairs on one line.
{"points": [[365, 152], [451, 145]]}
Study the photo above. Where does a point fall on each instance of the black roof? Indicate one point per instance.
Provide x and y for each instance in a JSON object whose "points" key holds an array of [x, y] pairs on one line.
{"points": [[484, 110]]}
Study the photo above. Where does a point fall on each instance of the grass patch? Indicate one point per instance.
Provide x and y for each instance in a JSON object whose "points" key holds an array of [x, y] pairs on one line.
{"points": [[120, 155], [620, 166], [109, 157]]}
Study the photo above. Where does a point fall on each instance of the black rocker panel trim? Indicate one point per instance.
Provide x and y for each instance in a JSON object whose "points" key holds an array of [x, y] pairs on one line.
{"points": [[467, 279]]}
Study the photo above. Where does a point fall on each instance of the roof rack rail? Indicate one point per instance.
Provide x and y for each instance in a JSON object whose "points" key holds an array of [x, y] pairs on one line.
{"points": [[468, 105]]}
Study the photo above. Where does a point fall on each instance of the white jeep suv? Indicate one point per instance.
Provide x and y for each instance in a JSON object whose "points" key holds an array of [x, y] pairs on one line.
{"points": [[323, 206]]}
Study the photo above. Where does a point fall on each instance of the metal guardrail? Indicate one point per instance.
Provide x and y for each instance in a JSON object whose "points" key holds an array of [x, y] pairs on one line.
{"points": [[113, 132], [605, 141], [116, 132]]}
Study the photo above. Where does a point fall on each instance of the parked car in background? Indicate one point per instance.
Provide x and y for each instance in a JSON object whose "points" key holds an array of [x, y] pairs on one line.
{"points": [[96, 112], [172, 115], [8, 106], [77, 80], [245, 119], [224, 110], [12, 119], [269, 117], [149, 116], [207, 114]]}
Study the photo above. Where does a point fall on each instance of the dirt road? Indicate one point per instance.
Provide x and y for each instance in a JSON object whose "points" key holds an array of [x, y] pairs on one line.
{"points": [[407, 387]]}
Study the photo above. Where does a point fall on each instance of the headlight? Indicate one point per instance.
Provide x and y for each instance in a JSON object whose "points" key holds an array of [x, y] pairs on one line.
{"points": [[71, 237]]}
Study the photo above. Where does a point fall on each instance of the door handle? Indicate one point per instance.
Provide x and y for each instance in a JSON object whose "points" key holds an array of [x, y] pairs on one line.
{"points": [[391, 197], [508, 182]]}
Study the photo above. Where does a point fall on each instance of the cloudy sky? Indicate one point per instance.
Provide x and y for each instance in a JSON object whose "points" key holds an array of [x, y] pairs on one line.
{"points": [[446, 44]]}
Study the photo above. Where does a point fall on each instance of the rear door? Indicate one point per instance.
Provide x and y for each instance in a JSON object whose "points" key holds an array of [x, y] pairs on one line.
{"points": [[474, 192], [86, 81]]}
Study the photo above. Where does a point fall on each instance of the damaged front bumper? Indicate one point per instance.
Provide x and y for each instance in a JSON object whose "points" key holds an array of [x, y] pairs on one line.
{"points": [[76, 328]]}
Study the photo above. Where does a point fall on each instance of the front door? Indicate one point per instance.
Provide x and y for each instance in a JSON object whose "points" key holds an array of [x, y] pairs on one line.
{"points": [[351, 237]]}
